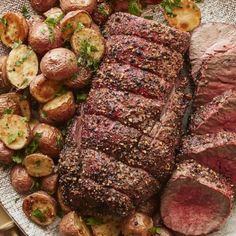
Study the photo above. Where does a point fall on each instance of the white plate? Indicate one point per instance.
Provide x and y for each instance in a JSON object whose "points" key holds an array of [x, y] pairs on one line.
{"points": [[212, 10]]}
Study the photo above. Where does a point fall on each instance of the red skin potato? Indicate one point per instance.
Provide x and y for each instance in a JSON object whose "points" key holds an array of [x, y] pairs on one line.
{"points": [[43, 5]]}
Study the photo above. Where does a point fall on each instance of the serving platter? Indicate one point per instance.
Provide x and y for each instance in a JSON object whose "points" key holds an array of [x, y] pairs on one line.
{"points": [[212, 11]]}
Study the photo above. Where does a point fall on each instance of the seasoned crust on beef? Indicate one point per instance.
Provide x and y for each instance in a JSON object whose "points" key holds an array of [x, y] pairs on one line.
{"points": [[130, 109], [124, 23], [198, 193], [218, 115], [145, 55]]}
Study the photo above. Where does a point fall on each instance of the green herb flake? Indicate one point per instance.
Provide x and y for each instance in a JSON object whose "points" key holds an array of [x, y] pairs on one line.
{"points": [[101, 9], [62, 90], [24, 82], [134, 7], [148, 17], [35, 186], [25, 12], [17, 199], [66, 27], [3, 21], [12, 138], [33, 146], [59, 142], [169, 5], [18, 159], [7, 111], [44, 114], [155, 230], [23, 59], [79, 26], [93, 221], [39, 215], [16, 44], [81, 97], [38, 163]]}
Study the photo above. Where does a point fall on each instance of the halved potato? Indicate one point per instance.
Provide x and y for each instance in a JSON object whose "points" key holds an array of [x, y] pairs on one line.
{"points": [[72, 20], [43, 5], [61, 201], [22, 66], [88, 42], [21, 181], [49, 184], [9, 104], [80, 79], [59, 64], [4, 82], [73, 224], [40, 208], [54, 12], [14, 28], [186, 18], [14, 131], [43, 89], [43, 117], [38, 165], [72, 5], [51, 141], [61, 108], [5, 154], [111, 227]]}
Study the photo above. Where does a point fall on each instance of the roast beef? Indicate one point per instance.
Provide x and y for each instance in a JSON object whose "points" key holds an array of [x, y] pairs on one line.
{"points": [[208, 39], [126, 24], [218, 115], [217, 74], [217, 151], [196, 200]]}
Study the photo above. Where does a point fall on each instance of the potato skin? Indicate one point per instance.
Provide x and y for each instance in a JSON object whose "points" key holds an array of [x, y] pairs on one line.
{"points": [[137, 224], [5, 154], [69, 5], [9, 101], [80, 79], [41, 40], [73, 225], [43, 5], [59, 64], [102, 12], [61, 202], [49, 183], [43, 89], [21, 181], [51, 141], [4, 83]]}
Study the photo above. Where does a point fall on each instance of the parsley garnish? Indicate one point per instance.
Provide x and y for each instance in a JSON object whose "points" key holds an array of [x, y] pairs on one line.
{"points": [[93, 221], [18, 158], [81, 97], [3, 21], [7, 111], [16, 44], [59, 142], [44, 114], [79, 26], [155, 230], [36, 185], [39, 214], [24, 58], [17, 199], [12, 138], [25, 12], [170, 5], [134, 7], [102, 10], [33, 146], [25, 81], [67, 27], [62, 90]]}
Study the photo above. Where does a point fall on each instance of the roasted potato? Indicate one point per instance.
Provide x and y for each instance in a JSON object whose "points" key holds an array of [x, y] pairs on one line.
{"points": [[186, 18], [9, 104], [88, 42], [72, 5], [49, 184], [21, 181], [51, 141], [59, 64], [43, 5], [137, 224], [34, 19], [22, 66], [61, 202], [5, 154], [40, 208], [102, 12], [80, 79], [38, 165], [43, 89], [72, 224], [149, 207], [54, 12], [120, 5], [43, 37], [72, 20], [60, 109], [14, 28], [14, 131], [111, 227], [4, 82]]}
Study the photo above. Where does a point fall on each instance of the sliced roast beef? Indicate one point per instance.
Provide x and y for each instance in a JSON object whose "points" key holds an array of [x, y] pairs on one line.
{"points": [[196, 200], [145, 55], [124, 23], [217, 151], [218, 115], [208, 39], [127, 78], [218, 74], [128, 108]]}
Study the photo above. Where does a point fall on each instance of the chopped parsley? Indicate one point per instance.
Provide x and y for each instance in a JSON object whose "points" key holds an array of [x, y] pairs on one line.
{"points": [[33, 146], [16, 44], [39, 215], [66, 27], [25, 12], [155, 230], [17, 199], [149, 17], [25, 81], [7, 111], [101, 9], [59, 142], [134, 7], [24, 58], [3, 21], [79, 26], [12, 138], [44, 114], [93, 221], [170, 5], [81, 97], [35, 186], [62, 90], [18, 158]]}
